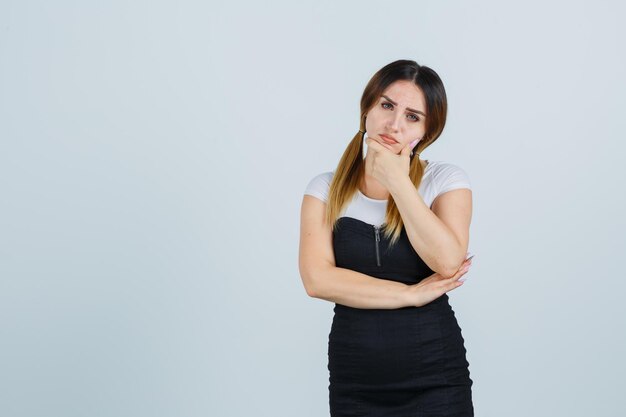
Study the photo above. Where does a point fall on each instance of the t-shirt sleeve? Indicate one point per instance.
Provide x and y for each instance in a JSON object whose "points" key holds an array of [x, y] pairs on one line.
{"points": [[452, 177], [318, 187]]}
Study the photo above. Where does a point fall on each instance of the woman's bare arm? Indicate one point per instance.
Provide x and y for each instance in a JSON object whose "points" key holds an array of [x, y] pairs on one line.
{"points": [[323, 279], [354, 289], [439, 236]]}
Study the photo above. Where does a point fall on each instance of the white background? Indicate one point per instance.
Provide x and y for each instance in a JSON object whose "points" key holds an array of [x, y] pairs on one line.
{"points": [[153, 158]]}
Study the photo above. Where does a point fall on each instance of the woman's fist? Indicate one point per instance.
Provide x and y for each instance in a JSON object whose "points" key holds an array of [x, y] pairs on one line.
{"points": [[382, 163]]}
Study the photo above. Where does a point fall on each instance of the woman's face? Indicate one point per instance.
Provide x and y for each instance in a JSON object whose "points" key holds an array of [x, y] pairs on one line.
{"points": [[398, 117]]}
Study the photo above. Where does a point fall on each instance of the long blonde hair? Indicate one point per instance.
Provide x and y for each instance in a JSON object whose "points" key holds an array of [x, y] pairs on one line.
{"points": [[350, 170]]}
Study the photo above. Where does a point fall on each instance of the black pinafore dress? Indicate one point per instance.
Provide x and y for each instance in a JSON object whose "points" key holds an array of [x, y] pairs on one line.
{"points": [[393, 362]]}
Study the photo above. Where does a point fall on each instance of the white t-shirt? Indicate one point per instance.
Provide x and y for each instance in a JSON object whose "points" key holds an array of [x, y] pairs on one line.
{"points": [[439, 177]]}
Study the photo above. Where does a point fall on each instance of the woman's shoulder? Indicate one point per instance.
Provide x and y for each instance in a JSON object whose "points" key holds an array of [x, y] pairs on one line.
{"points": [[319, 185], [448, 176], [440, 165]]}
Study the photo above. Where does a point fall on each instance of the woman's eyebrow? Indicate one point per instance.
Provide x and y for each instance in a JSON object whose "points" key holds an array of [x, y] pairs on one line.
{"points": [[395, 104]]}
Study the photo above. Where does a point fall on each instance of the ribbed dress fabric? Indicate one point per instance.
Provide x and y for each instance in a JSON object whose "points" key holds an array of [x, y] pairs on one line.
{"points": [[405, 362]]}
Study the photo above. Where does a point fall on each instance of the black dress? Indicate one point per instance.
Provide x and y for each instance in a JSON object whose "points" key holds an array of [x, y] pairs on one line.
{"points": [[393, 362]]}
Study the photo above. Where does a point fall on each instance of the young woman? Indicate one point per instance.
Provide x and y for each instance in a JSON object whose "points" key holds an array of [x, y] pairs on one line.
{"points": [[385, 237]]}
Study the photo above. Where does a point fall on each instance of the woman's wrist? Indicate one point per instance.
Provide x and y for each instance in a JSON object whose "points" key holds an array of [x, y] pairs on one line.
{"points": [[400, 185], [408, 295]]}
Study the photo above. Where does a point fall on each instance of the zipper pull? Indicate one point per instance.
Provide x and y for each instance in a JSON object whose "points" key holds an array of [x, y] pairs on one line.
{"points": [[376, 233]]}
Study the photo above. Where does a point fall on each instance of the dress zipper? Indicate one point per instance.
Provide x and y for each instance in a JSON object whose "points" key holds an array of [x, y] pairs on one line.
{"points": [[376, 233]]}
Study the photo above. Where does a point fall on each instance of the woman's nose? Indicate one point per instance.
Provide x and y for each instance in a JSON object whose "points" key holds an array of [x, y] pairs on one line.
{"points": [[393, 123]]}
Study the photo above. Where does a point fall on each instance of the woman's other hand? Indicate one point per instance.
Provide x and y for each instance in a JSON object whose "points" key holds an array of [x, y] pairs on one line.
{"points": [[435, 285]]}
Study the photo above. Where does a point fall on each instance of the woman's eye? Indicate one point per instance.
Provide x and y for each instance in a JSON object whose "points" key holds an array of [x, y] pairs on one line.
{"points": [[389, 106]]}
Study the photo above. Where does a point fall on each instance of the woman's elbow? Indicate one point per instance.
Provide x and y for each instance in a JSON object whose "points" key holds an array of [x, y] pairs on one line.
{"points": [[311, 291], [309, 283], [449, 270], [447, 273]]}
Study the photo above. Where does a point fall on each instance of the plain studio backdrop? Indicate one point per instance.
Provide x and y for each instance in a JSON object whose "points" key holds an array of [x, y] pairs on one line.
{"points": [[153, 159]]}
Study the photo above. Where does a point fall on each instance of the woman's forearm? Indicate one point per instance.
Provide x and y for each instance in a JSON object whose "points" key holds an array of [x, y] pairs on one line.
{"points": [[354, 289], [433, 241]]}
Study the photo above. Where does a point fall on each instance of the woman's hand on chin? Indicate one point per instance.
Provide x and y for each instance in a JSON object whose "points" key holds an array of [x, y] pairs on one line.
{"points": [[386, 166]]}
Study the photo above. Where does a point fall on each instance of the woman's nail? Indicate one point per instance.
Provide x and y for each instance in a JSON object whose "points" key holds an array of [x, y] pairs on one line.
{"points": [[413, 143]]}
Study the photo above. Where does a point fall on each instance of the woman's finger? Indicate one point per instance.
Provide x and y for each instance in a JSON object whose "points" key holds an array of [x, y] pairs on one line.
{"points": [[454, 285], [376, 146], [448, 285], [465, 265], [462, 271]]}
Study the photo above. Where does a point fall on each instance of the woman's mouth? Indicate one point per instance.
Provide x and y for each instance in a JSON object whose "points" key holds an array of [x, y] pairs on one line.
{"points": [[388, 139]]}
